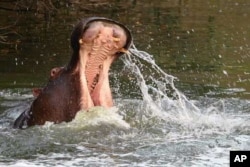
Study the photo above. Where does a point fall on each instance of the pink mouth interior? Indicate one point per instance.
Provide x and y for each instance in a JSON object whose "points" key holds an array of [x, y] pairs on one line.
{"points": [[99, 46]]}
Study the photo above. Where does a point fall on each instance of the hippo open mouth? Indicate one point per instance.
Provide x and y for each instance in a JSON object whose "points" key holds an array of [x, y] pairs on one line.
{"points": [[84, 82], [101, 43]]}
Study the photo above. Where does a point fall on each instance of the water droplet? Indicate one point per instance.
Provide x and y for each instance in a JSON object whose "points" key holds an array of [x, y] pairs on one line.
{"points": [[225, 72]]}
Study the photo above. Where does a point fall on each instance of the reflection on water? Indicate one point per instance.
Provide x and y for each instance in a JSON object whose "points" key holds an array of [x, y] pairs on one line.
{"points": [[205, 45]]}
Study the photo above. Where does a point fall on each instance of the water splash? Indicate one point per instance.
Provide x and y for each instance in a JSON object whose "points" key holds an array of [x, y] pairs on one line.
{"points": [[161, 100], [157, 87], [97, 116]]}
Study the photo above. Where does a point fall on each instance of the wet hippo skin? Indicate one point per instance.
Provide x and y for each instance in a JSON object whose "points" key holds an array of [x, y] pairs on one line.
{"points": [[84, 82], [54, 73]]}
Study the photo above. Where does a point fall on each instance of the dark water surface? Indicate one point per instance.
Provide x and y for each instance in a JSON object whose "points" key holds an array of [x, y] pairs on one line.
{"points": [[205, 44]]}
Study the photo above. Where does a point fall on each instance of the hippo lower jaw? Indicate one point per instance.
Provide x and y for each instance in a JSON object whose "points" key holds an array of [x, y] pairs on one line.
{"points": [[99, 46]]}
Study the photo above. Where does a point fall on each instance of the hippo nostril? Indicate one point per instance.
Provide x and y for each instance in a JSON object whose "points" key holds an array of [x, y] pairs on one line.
{"points": [[115, 33]]}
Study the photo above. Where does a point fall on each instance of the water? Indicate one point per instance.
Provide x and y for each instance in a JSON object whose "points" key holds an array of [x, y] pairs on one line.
{"points": [[187, 104], [162, 128]]}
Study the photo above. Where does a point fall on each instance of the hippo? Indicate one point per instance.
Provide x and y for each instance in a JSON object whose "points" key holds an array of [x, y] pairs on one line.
{"points": [[54, 73], [84, 82]]}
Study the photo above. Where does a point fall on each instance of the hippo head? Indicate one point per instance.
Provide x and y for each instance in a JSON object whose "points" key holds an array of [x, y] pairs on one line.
{"points": [[84, 82], [96, 43]]}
